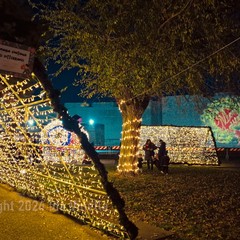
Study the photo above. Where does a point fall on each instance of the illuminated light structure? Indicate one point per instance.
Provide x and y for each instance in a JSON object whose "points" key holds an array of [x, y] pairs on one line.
{"points": [[188, 145], [26, 165], [58, 143]]}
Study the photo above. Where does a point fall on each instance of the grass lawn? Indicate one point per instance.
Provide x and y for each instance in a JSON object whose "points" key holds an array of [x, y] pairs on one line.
{"points": [[195, 202]]}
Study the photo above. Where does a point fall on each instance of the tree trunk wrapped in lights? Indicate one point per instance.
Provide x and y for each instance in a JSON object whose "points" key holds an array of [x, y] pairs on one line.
{"points": [[132, 111]]}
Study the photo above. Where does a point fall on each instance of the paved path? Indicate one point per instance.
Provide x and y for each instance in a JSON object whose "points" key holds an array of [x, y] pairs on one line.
{"points": [[22, 218]]}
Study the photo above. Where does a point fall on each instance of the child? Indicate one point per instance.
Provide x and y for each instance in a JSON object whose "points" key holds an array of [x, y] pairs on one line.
{"points": [[140, 162], [165, 163], [156, 162]]}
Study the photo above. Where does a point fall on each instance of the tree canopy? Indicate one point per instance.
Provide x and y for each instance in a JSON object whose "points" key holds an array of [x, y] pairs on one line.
{"points": [[128, 49], [133, 50]]}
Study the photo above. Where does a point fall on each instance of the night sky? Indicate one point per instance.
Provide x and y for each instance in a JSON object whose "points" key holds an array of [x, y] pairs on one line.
{"points": [[64, 80]]}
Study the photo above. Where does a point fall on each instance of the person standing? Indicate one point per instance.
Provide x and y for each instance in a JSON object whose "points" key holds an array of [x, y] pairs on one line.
{"points": [[149, 148], [162, 156], [162, 148]]}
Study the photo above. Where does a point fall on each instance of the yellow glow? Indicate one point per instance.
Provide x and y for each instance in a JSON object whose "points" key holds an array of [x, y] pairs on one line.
{"points": [[191, 145], [33, 164]]}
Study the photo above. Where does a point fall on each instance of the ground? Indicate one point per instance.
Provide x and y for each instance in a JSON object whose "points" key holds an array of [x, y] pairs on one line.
{"points": [[23, 218], [194, 202]]}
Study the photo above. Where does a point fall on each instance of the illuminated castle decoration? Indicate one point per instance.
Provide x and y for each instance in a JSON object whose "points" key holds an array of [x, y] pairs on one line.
{"points": [[223, 116], [60, 144], [188, 145], [36, 153]]}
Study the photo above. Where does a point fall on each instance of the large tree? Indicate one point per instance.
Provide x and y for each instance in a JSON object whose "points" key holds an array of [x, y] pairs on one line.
{"points": [[133, 50]]}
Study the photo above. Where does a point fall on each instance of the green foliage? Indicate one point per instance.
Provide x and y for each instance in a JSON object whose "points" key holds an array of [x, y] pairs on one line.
{"points": [[134, 49]]}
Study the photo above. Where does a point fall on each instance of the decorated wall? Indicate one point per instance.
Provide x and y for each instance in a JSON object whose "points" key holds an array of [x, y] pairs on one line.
{"points": [[221, 114]]}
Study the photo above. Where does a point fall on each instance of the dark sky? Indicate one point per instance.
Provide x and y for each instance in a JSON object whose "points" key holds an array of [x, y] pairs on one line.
{"points": [[66, 79]]}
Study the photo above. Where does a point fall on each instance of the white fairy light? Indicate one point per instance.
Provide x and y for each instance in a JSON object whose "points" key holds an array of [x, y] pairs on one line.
{"points": [[38, 159]]}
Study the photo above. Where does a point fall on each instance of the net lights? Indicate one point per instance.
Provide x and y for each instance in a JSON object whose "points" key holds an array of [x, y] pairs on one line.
{"points": [[190, 145], [43, 160]]}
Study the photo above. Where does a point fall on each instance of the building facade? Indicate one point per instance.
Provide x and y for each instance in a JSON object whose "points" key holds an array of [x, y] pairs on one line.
{"points": [[222, 114]]}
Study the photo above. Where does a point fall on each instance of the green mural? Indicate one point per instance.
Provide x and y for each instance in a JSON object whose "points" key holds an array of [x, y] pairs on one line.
{"points": [[223, 116]]}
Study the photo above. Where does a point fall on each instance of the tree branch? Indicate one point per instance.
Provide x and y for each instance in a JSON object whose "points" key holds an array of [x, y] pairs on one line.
{"points": [[176, 14]]}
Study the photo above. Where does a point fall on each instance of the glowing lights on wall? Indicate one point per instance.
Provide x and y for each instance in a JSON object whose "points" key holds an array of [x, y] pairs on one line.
{"points": [[190, 145], [223, 116], [44, 160]]}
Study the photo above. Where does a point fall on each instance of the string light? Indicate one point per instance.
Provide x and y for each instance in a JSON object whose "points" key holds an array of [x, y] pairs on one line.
{"points": [[130, 138], [44, 160], [190, 145]]}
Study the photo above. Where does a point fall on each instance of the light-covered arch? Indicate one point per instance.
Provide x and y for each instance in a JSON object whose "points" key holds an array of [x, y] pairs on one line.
{"points": [[190, 145], [83, 191]]}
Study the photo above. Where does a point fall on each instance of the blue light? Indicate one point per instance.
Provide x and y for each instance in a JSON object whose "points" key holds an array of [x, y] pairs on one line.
{"points": [[91, 121]]}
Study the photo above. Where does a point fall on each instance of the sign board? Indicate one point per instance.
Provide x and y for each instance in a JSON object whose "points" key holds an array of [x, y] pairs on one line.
{"points": [[16, 59]]}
